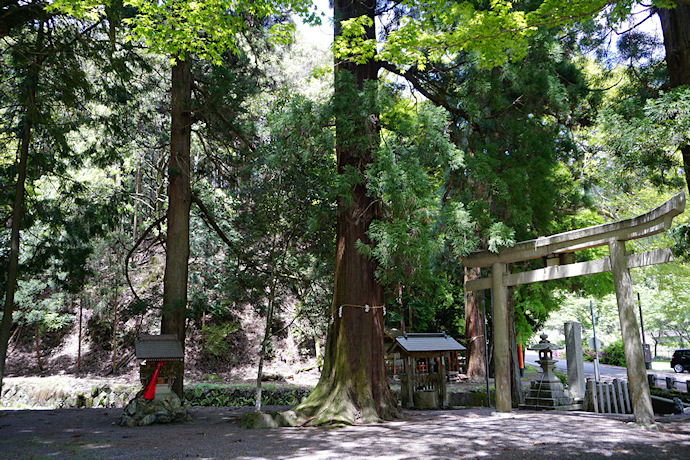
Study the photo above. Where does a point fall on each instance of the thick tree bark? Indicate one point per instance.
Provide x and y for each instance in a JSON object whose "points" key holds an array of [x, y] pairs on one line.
{"points": [[353, 385], [517, 395], [474, 331], [18, 203], [675, 24], [179, 202]]}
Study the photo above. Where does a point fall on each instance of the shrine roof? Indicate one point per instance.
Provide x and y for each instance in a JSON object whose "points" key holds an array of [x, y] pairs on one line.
{"points": [[428, 342], [159, 347]]}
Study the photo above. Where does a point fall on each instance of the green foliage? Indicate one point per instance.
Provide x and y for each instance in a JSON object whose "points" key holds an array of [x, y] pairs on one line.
{"points": [[409, 240], [614, 354], [214, 395], [534, 304], [648, 141], [40, 306], [432, 31], [406, 176], [500, 236], [488, 160], [218, 339], [207, 29]]}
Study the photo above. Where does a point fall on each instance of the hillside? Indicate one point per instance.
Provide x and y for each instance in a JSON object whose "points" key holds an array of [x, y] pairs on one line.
{"points": [[221, 354]]}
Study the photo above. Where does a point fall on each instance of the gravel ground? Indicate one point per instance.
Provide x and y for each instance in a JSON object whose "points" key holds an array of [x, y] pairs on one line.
{"points": [[460, 433]]}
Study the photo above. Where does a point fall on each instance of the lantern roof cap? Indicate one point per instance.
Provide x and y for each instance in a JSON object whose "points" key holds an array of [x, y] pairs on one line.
{"points": [[544, 345]]}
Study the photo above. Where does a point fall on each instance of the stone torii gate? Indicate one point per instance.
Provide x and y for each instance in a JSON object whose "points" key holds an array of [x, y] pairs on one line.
{"points": [[555, 250]]}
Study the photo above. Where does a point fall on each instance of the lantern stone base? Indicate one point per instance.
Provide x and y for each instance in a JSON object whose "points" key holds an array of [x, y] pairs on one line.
{"points": [[166, 409], [548, 392]]}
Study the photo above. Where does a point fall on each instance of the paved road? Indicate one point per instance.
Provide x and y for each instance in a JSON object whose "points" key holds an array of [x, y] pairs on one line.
{"points": [[612, 372]]}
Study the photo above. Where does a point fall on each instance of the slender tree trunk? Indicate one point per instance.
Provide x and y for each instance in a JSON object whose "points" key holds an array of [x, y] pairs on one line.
{"points": [[18, 202], [401, 305], [474, 331], [317, 350], [264, 342], [353, 385], [179, 201], [138, 195], [38, 347], [675, 24], [115, 321], [203, 330], [81, 312]]}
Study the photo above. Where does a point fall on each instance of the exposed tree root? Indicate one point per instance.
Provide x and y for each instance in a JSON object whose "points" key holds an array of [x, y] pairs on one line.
{"points": [[344, 403]]}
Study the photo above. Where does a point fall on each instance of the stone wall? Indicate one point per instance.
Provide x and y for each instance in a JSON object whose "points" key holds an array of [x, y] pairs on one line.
{"points": [[69, 392], [64, 393]]}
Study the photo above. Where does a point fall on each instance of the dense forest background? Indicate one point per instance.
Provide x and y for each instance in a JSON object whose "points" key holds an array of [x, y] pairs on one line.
{"points": [[584, 123]]}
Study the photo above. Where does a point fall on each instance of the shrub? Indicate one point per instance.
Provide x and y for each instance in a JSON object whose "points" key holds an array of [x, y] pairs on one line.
{"points": [[613, 354], [588, 354]]}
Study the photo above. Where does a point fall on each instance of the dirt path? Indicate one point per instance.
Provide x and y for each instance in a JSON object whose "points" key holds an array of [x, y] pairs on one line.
{"points": [[466, 433]]}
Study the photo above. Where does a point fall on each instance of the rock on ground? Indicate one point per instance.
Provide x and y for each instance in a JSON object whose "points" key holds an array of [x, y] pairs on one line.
{"points": [[143, 412]]}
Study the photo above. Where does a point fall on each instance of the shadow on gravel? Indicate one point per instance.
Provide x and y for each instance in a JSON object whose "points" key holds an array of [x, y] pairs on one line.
{"points": [[465, 433]]}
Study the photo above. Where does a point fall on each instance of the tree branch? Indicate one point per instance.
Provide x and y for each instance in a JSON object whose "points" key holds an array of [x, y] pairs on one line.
{"points": [[210, 221], [131, 251], [435, 98]]}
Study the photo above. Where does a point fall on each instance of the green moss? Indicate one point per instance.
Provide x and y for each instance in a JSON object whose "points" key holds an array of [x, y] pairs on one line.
{"points": [[670, 394]]}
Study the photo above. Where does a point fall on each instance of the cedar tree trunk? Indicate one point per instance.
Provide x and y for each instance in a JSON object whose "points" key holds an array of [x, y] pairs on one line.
{"points": [[353, 386], [474, 331], [18, 202], [675, 24], [179, 202], [517, 395]]}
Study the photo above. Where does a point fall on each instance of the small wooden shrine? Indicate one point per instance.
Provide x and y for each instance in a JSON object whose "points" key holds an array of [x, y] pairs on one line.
{"points": [[159, 357], [424, 386]]}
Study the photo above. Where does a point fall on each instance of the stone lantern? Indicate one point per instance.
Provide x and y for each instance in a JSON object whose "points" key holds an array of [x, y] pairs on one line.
{"points": [[547, 392], [546, 361]]}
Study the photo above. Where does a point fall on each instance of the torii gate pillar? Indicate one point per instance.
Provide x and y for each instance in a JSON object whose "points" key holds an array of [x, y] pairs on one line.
{"points": [[501, 344], [630, 331]]}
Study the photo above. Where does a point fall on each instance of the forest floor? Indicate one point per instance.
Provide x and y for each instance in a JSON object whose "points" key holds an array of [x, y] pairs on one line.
{"points": [[215, 432]]}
